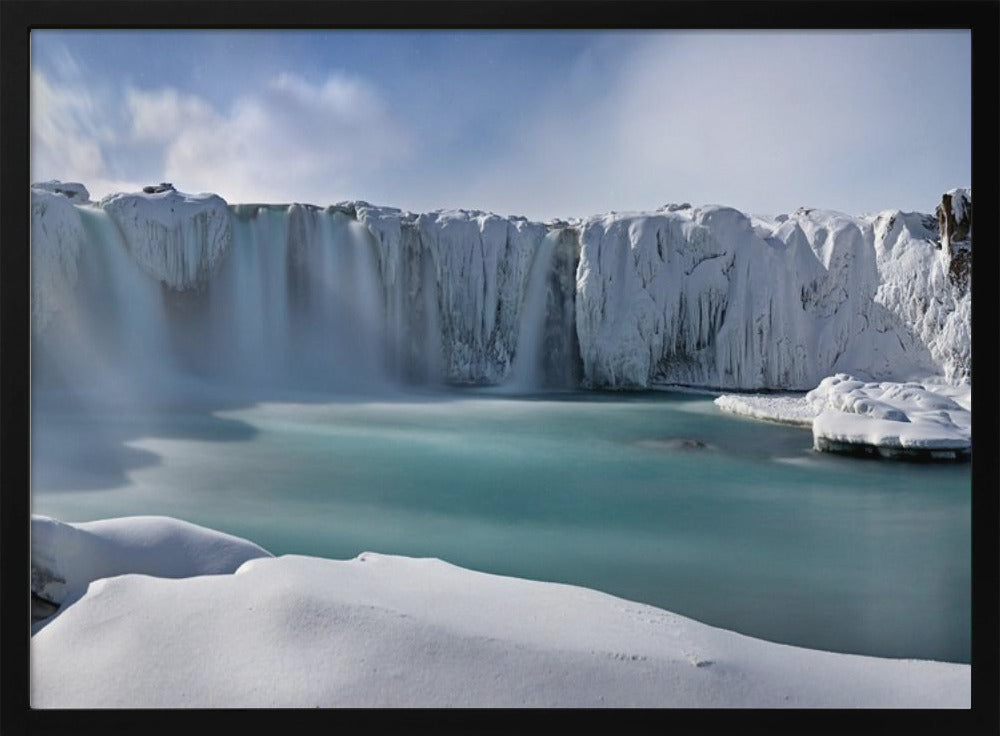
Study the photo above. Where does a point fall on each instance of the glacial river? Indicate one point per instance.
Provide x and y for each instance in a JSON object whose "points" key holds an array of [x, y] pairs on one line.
{"points": [[656, 497]]}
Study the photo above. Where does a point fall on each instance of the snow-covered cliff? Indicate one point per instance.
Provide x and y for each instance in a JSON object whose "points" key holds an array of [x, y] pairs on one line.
{"points": [[709, 297], [703, 296], [57, 235], [177, 238]]}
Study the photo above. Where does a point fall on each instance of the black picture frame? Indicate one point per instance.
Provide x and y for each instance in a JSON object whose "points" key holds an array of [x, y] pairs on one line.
{"points": [[982, 17]]}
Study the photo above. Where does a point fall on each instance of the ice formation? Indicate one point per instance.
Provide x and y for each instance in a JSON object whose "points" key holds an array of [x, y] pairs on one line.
{"points": [[57, 236], [385, 631], [890, 419], [177, 238], [930, 420], [702, 296]]}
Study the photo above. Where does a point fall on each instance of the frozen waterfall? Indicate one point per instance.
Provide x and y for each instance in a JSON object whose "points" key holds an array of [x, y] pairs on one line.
{"points": [[141, 290]]}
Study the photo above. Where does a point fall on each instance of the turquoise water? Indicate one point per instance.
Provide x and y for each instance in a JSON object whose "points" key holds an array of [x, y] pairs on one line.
{"points": [[655, 497]]}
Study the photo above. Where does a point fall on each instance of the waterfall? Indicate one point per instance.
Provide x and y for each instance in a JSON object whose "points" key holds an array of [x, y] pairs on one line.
{"points": [[145, 290], [111, 336], [528, 371], [299, 297], [296, 303]]}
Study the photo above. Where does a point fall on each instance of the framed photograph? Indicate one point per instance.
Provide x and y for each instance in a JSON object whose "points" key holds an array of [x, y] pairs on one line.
{"points": [[500, 356]]}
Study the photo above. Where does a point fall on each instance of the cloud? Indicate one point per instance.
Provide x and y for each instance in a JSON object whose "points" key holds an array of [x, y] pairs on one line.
{"points": [[158, 116], [67, 131], [291, 140], [763, 122]]}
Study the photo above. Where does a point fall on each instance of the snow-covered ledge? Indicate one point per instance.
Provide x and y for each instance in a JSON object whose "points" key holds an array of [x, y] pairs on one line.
{"points": [[926, 421], [383, 631]]}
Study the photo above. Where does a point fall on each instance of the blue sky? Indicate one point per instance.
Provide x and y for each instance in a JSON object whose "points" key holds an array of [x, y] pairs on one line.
{"points": [[538, 123]]}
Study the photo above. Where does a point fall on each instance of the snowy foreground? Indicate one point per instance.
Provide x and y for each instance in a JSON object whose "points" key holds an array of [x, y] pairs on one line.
{"points": [[932, 420], [382, 630]]}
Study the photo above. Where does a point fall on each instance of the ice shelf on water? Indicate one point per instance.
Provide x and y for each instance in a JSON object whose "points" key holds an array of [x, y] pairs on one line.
{"points": [[931, 420], [389, 631], [892, 419]]}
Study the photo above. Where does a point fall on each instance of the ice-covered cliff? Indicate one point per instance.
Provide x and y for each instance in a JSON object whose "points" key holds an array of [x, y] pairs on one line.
{"points": [[177, 238], [703, 296], [57, 235], [710, 297]]}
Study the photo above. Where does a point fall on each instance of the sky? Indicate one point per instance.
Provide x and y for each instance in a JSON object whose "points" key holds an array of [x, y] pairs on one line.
{"points": [[537, 123]]}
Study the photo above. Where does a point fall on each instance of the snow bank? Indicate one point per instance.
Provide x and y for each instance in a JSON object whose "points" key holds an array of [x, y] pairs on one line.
{"points": [[794, 410], [930, 420], [57, 237], [393, 631], [890, 418], [177, 238], [66, 558]]}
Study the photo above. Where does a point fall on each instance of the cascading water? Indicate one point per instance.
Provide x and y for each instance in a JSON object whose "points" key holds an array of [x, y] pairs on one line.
{"points": [[112, 337], [295, 303], [528, 371], [357, 298], [299, 297]]}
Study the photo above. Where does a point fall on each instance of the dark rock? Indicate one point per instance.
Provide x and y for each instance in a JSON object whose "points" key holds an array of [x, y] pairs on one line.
{"points": [[954, 216], [163, 186], [41, 608]]}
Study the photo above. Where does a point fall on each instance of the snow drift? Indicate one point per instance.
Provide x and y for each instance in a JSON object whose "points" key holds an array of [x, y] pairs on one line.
{"points": [[386, 631], [930, 421], [699, 296], [66, 558], [890, 418]]}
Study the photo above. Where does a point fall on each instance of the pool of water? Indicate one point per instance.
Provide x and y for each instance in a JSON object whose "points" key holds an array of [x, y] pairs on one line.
{"points": [[655, 497]]}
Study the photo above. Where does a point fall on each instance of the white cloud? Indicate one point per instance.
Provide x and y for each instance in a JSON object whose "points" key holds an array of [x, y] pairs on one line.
{"points": [[760, 122], [157, 116], [66, 132], [288, 141], [291, 140], [763, 122]]}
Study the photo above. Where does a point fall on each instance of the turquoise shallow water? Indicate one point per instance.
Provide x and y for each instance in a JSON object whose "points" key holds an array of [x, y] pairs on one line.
{"points": [[752, 532]]}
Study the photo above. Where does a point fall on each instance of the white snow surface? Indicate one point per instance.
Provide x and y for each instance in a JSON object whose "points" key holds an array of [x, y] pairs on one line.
{"points": [[893, 415], [66, 558], [932, 414], [57, 236], [794, 410], [72, 190], [177, 238], [387, 631]]}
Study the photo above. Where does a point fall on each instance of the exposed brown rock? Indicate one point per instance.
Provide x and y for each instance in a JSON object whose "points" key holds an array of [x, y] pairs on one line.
{"points": [[956, 236]]}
